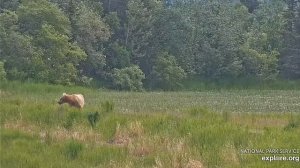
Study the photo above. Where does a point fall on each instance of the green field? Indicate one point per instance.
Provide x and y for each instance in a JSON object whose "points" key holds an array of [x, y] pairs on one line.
{"points": [[148, 129]]}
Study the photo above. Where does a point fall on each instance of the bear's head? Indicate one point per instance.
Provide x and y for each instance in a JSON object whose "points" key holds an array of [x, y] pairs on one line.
{"points": [[62, 99]]}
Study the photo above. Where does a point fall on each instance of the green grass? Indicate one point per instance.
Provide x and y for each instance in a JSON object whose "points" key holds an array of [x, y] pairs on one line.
{"points": [[196, 84], [146, 129]]}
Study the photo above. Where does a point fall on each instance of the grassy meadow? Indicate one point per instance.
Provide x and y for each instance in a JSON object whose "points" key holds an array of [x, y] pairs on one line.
{"points": [[148, 129]]}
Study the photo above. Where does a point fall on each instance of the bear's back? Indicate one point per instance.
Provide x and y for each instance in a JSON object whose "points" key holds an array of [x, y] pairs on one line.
{"points": [[79, 99]]}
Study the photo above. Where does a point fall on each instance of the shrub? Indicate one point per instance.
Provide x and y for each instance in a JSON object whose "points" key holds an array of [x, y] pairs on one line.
{"points": [[107, 106], [84, 80], [93, 118], [71, 118], [129, 78], [293, 123], [166, 73], [72, 149]]}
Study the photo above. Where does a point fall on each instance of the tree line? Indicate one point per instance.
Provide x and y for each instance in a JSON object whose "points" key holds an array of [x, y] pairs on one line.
{"points": [[136, 44]]}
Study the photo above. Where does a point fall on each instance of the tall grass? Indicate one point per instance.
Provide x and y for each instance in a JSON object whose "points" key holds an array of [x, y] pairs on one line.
{"points": [[258, 101], [195, 84], [152, 129]]}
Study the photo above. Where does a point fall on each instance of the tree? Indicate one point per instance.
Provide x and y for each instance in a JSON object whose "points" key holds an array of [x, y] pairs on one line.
{"points": [[118, 56], [290, 60], [74, 41], [35, 44], [2, 72], [33, 14], [250, 4], [171, 33], [166, 73], [91, 32], [264, 40], [129, 78], [141, 16], [11, 5], [22, 59], [60, 57], [216, 32], [115, 12]]}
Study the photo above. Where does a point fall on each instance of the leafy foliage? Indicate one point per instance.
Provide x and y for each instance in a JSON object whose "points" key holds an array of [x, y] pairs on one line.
{"points": [[70, 120], [2, 72], [60, 57], [264, 41], [93, 118], [33, 14], [90, 32], [36, 45], [129, 78], [166, 73], [119, 56], [289, 60], [74, 42]]}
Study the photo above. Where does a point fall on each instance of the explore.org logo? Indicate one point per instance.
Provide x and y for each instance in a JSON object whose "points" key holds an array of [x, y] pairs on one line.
{"points": [[280, 158], [274, 154]]}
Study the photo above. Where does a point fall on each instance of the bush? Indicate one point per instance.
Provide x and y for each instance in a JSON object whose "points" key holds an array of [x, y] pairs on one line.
{"points": [[166, 73], [72, 149], [70, 120], [107, 106], [93, 118], [129, 78], [84, 81]]}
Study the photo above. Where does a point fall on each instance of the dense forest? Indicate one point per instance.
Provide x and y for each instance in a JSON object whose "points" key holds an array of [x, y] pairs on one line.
{"points": [[153, 44]]}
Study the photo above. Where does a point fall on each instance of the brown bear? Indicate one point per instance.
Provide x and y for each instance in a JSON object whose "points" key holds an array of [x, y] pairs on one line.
{"points": [[75, 100]]}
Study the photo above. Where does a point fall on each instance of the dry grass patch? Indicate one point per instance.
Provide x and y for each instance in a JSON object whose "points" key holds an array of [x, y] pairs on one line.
{"points": [[134, 139], [259, 121], [131, 132], [114, 164], [179, 155], [194, 164], [4, 93], [21, 126], [86, 136], [121, 137], [139, 144], [230, 156], [141, 147], [56, 134]]}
